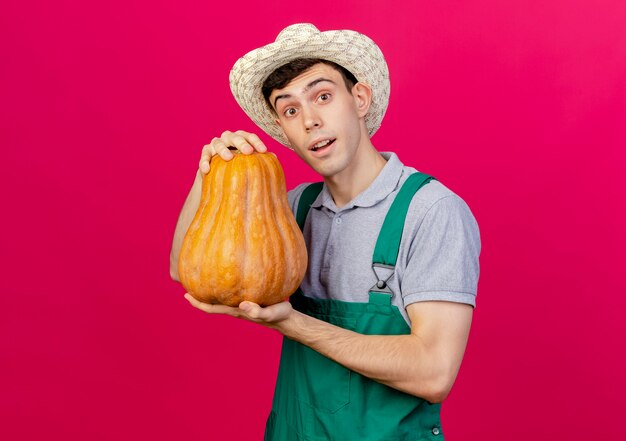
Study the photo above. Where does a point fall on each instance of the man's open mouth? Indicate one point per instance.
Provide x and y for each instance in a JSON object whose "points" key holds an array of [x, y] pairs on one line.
{"points": [[322, 144]]}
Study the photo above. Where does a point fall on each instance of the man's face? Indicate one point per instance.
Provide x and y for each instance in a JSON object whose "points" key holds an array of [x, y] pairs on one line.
{"points": [[320, 118]]}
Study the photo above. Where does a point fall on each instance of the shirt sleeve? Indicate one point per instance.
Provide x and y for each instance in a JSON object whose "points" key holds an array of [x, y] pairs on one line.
{"points": [[442, 262], [293, 196]]}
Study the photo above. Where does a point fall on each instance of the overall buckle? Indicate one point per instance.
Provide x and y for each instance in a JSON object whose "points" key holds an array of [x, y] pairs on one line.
{"points": [[381, 284]]}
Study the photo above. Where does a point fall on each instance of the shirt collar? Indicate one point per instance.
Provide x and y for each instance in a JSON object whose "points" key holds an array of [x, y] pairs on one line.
{"points": [[386, 182]]}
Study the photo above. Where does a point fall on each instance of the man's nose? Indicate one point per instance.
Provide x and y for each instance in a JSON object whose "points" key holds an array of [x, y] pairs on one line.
{"points": [[311, 119]]}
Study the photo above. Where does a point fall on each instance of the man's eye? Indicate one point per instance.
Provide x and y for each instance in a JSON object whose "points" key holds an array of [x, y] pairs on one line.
{"points": [[290, 111], [324, 96]]}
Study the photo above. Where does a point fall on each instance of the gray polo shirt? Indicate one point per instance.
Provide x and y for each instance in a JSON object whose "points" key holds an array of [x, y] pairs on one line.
{"points": [[438, 257]]}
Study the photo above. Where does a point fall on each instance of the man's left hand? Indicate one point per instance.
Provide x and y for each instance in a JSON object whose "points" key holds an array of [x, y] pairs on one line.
{"points": [[270, 316]]}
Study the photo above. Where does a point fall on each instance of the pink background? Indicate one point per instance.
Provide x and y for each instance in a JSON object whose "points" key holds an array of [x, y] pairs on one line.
{"points": [[519, 107]]}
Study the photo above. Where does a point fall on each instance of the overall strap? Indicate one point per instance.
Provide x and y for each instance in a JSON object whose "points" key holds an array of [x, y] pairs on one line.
{"points": [[388, 242], [307, 198]]}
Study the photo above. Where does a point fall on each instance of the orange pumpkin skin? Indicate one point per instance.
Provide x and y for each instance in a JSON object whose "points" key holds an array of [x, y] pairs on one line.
{"points": [[244, 242]]}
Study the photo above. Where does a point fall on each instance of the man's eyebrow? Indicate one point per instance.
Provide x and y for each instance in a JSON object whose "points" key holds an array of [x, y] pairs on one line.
{"points": [[305, 90]]}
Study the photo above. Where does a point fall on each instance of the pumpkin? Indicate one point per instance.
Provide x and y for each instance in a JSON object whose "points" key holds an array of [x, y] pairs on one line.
{"points": [[243, 242]]}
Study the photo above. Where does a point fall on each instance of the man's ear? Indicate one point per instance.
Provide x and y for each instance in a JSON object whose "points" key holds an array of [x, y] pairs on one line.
{"points": [[362, 94], [277, 121]]}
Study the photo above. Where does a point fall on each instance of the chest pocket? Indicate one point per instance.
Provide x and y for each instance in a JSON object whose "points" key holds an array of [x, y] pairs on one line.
{"points": [[322, 383]]}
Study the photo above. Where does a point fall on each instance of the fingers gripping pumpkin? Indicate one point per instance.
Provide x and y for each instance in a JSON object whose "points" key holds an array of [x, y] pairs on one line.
{"points": [[244, 242]]}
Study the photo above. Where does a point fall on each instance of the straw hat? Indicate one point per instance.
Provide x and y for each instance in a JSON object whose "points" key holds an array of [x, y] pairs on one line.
{"points": [[352, 50]]}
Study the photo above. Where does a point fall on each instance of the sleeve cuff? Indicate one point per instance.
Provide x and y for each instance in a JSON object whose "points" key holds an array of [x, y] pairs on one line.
{"points": [[447, 296]]}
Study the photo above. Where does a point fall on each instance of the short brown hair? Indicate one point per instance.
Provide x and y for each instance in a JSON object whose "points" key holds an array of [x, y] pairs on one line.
{"points": [[287, 72]]}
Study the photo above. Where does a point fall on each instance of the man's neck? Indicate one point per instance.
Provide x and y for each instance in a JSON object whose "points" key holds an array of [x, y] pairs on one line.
{"points": [[364, 169]]}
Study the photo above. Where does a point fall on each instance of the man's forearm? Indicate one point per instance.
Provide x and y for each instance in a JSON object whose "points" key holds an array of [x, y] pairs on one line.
{"points": [[403, 362], [187, 213]]}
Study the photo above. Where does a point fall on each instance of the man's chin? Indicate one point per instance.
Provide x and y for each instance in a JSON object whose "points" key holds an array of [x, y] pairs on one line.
{"points": [[326, 171]]}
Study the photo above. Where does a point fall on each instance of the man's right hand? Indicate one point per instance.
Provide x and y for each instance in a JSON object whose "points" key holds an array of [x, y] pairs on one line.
{"points": [[245, 142]]}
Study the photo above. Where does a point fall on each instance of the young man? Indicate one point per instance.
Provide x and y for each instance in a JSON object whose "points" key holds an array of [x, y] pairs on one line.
{"points": [[375, 335]]}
